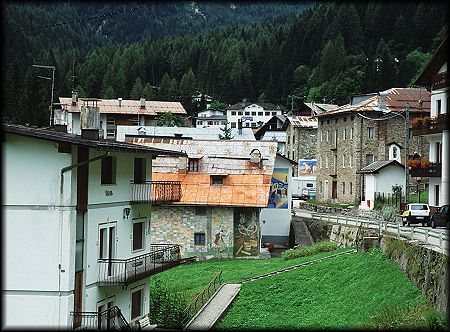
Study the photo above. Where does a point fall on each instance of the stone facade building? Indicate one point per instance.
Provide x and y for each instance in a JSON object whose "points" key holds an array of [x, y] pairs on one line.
{"points": [[301, 138], [355, 135]]}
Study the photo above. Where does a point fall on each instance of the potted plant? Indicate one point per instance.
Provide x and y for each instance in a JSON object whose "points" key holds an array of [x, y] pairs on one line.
{"points": [[416, 122]]}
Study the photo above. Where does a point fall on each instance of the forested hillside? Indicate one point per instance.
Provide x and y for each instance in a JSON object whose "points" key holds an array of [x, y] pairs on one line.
{"points": [[327, 52]]}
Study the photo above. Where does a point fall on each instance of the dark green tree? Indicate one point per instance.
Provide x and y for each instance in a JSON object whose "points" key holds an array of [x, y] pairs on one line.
{"points": [[168, 119], [226, 132]]}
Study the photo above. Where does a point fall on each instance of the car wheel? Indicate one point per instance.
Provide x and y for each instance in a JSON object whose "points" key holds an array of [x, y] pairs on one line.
{"points": [[433, 224]]}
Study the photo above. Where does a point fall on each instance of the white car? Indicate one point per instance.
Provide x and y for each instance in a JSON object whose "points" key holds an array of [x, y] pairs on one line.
{"points": [[416, 213]]}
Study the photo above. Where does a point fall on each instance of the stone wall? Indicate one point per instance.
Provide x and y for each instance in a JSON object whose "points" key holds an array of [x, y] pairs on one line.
{"points": [[301, 143], [426, 268], [347, 180], [349, 211]]}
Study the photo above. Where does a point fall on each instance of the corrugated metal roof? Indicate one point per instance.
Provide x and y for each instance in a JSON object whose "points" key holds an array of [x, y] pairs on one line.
{"points": [[111, 106], [246, 184], [395, 99], [378, 165], [303, 121], [280, 136]]}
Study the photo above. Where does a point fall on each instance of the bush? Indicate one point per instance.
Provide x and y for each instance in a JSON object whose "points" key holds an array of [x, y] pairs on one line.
{"points": [[166, 306], [308, 251], [389, 212]]}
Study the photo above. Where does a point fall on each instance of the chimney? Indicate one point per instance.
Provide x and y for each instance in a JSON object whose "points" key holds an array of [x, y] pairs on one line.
{"points": [[142, 103], [90, 122], [60, 119], [74, 98], [120, 101]]}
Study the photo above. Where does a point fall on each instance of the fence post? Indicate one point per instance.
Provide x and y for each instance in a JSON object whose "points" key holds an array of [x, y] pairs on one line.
{"points": [[426, 236], [440, 241], [346, 220], [412, 233]]}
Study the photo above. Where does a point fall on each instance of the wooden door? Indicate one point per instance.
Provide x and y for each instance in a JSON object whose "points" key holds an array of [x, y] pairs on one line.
{"points": [[334, 189]]}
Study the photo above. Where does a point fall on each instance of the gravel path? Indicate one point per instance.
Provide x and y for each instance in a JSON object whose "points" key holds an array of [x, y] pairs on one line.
{"points": [[214, 308]]}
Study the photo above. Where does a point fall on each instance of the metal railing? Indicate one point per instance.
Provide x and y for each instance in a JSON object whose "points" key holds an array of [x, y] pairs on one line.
{"points": [[201, 299], [155, 192], [435, 126], [125, 271], [110, 319], [437, 240]]}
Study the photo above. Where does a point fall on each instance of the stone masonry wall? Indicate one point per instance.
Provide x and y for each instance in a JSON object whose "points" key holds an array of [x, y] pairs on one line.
{"points": [[301, 143]]}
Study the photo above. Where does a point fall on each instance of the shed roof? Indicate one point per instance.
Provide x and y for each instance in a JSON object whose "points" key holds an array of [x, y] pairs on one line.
{"points": [[111, 106], [376, 166], [100, 144]]}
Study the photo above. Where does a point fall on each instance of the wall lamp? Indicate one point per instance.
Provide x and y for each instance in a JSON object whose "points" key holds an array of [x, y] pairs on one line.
{"points": [[126, 212]]}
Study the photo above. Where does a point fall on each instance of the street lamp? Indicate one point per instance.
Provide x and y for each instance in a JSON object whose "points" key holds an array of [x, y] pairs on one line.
{"points": [[53, 85]]}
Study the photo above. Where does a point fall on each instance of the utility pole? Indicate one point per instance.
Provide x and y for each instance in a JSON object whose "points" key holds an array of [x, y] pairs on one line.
{"points": [[406, 151], [292, 101], [53, 86]]}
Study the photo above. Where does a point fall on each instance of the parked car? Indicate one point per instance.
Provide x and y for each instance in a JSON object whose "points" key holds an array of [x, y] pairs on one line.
{"points": [[416, 213], [440, 218]]}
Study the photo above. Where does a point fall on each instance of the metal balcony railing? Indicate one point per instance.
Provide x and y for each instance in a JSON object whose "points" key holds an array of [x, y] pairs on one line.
{"points": [[156, 192], [110, 319], [126, 271], [434, 170]]}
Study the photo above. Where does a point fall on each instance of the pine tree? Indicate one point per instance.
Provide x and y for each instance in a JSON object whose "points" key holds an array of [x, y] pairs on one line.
{"points": [[226, 132]]}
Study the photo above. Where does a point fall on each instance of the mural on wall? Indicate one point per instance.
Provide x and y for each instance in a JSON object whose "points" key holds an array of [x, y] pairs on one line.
{"points": [[246, 232], [307, 167], [221, 245], [278, 196]]}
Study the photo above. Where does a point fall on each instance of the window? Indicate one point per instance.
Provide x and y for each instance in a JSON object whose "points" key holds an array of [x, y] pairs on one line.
{"points": [[247, 124], [328, 121], [410, 135], [343, 188], [344, 133], [247, 113], [321, 136], [233, 124], [210, 123], [351, 133], [253, 113], [293, 139], [328, 135], [217, 180], [326, 161], [345, 119], [288, 140], [138, 235], [193, 165], [350, 157], [274, 113], [371, 132], [293, 155], [139, 170], [260, 113], [343, 160], [200, 211], [110, 120], [267, 113], [199, 123], [351, 188], [216, 123], [136, 304], [108, 175], [222, 123], [110, 133], [199, 239], [335, 138], [438, 152], [394, 152], [352, 118], [233, 112], [239, 112], [369, 159], [79, 242], [253, 124], [438, 106], [309, 185]]}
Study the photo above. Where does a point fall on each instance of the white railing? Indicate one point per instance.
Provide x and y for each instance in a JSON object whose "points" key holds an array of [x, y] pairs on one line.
{"points": [[435, 239]]}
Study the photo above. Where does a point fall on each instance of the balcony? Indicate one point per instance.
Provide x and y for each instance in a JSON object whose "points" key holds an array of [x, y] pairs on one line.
{"points": [[156, 192], [430, 126], [433, 170], [110, 319], [126, 271]]}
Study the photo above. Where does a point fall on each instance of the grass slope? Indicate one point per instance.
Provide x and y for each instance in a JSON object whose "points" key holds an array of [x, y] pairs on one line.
{"points": [[344, 292]]}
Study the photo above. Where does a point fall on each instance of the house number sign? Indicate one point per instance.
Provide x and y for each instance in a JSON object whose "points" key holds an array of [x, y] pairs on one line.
{"points": [[108, 192]]}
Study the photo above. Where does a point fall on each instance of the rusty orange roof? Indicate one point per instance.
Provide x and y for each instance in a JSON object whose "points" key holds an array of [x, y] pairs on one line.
{"points": [[111, 106], [245, 184], [394, 99]]}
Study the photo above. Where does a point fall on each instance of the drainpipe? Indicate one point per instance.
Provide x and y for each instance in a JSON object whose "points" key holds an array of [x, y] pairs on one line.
{"points": [[61, 191]]}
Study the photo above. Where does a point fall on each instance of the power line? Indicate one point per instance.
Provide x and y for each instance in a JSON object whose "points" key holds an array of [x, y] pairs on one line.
{"points": [[81, 19]]}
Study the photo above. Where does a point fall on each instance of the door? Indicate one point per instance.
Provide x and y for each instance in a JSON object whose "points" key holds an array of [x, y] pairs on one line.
{"points": [[77, 298], [334, 189], [105, 319], [107, 248], [136, 304], [436, 195]]}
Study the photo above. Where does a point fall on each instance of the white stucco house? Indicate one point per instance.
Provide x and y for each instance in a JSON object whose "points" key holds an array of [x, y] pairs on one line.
{"points": [[252, 115], [379, 177], [210, 118], [76, 212]]}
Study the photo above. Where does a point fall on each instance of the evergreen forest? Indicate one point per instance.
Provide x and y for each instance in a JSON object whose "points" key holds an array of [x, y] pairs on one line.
{"points": [[278, 52]]}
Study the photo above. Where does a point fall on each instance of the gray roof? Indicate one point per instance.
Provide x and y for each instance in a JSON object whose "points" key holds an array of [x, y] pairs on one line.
{"points": [[266, 106], [100, 144], [211, 133], [376, 166]]}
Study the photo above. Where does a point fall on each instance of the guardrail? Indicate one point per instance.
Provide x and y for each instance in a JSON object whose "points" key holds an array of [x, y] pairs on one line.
{"points": [[201, 299], [437, 240]]}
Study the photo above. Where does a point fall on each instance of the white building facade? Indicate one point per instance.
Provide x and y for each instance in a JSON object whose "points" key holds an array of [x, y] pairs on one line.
{"points": [[253, 115], [72, 224]]}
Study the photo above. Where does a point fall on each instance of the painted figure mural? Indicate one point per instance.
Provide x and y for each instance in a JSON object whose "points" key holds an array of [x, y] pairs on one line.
{"points": [[278, 196], [246, 232]]}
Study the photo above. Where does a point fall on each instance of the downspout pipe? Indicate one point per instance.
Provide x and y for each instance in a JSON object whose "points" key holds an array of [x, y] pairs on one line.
{"points": [[61, 190]]}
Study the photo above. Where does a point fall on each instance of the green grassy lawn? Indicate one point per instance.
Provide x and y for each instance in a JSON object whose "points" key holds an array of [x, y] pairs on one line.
{"points": [[344, 292], [360, 290]]}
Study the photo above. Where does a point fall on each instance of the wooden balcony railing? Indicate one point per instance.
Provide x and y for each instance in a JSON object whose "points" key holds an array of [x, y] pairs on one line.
{"points": [[436, 126], [110, 319], [156, 192], [126, 271], [434, 170]]}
